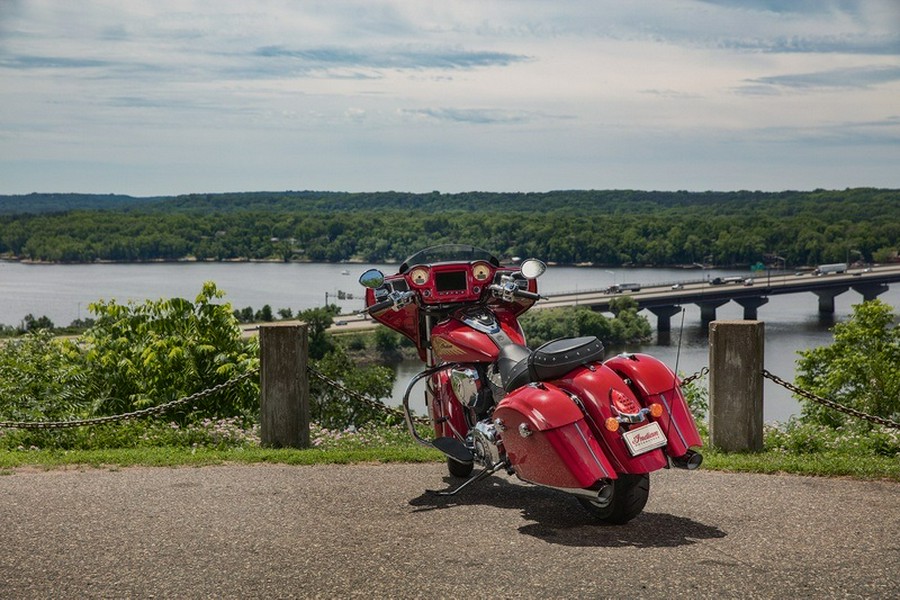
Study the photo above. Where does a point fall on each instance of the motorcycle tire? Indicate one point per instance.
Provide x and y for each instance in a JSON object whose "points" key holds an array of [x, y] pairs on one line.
{"points": [[630, 495], [458, 469]]}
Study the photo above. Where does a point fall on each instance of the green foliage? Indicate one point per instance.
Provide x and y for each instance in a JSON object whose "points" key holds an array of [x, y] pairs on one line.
{"points": [[318, 321], [41, 378], [860, 370], [544, 325], [387, 340], [134, 356], [610, 227], [137, 356], [142, 355], [331, 408], [697, 396], [799, 437]]}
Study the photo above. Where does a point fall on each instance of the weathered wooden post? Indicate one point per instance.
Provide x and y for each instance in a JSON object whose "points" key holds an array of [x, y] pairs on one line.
{"points": [[736, 352], [284, 385]]}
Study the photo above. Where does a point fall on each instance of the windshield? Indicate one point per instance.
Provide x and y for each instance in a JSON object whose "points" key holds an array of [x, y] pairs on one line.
{"points": [[448, 253]]}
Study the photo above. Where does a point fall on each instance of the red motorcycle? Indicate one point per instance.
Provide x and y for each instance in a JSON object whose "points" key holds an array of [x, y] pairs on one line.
{"points": [[558, 416]]}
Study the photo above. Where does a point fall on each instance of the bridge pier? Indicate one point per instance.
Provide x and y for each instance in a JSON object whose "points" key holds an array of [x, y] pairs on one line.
{"points": [[664, 316], [827, 296], [708, 310], [870, 291], [750, 305]]}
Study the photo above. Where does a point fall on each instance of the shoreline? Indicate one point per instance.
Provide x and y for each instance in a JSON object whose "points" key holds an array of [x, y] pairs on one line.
{"points": [[351, 261]]}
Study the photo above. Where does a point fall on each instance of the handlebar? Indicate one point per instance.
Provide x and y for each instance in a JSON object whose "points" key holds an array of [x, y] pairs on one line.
{"points": [[395, 300], [509, 289]]}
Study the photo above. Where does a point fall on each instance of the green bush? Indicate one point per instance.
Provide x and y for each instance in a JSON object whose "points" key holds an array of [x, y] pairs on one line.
{"points": [[860, 370], [142, 355], [544, 325]]}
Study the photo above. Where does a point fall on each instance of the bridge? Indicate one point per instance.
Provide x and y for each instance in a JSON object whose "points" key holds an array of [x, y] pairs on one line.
{"points": [[664, 301]]}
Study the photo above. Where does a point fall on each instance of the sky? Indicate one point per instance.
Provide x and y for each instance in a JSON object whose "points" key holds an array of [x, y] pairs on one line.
{"points": [[202, 96]]}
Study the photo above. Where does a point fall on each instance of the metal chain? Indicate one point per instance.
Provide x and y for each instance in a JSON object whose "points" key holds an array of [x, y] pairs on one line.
{"points": [[376, 404], [696, 375], [829, 403], [161, 408]]}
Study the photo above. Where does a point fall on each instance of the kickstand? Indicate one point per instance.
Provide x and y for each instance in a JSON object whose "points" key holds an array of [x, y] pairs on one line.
{"points": [[477, 477]]}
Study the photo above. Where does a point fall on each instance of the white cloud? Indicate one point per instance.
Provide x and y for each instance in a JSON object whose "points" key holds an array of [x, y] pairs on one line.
{"points": [[180, 96]]}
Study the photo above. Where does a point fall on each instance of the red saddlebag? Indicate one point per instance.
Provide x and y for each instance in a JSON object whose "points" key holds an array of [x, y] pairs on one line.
{"points": [[547, 440]]}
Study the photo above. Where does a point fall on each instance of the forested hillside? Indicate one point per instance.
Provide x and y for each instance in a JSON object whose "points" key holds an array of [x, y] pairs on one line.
{"points": [[613, 227]]}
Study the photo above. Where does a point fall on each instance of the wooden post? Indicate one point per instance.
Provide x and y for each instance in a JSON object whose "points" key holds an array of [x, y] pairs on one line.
{"points": [[736, 352], [284, 385]]}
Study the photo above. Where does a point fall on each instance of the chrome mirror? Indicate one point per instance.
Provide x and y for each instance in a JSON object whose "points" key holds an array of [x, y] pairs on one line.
{"points": [[373, 278], [532, 268]]}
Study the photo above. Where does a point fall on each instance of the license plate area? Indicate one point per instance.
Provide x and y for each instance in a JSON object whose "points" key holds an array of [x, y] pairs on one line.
{"points": [[644, 439]]}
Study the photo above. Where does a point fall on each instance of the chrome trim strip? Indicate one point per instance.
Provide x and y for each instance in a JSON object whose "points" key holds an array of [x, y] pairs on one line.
{"points": [[672, 420], [600, 439], [591, 450]]}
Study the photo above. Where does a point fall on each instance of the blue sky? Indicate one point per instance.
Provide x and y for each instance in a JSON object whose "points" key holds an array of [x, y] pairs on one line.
{"points": [[183, 96]]}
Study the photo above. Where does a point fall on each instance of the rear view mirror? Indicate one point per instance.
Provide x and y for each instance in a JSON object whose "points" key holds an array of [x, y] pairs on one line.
{"points": [[373, 278], [532, 268]]}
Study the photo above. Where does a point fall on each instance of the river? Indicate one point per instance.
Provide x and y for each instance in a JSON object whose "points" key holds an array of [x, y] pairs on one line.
{"points": [[63, 293]]}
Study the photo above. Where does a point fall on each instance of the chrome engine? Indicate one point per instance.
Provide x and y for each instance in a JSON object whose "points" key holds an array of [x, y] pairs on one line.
{"points": [[485, 440]]}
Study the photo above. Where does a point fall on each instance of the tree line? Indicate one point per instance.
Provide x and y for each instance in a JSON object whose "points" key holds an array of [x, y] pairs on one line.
{"points": [[611, 228]]}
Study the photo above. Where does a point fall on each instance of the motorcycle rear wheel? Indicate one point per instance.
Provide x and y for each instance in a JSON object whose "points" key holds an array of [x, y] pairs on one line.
{"points": [[630, 495]]}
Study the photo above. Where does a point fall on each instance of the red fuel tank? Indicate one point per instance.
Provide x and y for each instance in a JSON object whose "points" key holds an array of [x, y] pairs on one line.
{"points": [[454, 341]]}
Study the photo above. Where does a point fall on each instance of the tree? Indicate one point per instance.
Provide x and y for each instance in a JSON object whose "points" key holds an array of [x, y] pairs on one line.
{"points": [[30, 323], [860, 370], [319, 320]]}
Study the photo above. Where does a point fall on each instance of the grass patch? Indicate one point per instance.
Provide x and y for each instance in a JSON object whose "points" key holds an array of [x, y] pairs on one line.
{"points": [[198, 457], [837, 454], [827, 464], [820, 464]]}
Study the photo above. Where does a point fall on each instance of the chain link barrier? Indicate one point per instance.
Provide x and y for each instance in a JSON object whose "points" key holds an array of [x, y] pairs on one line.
{"points": [[361, 398], [380, 406], [809, 396], [830, 404], [697, 375], [153, 410]]}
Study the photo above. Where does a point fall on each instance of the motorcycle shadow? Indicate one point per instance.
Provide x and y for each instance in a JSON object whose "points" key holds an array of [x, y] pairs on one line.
{"points": [[557, 518]]}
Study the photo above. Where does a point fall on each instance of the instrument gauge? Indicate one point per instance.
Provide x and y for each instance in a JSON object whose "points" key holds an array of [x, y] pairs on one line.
{"points": [[481, 272], [419, 276]]}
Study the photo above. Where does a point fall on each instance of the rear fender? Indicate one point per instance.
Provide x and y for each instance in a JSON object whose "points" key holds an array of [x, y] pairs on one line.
{"points": [[653, 382], [593, 386], [547, 439]]}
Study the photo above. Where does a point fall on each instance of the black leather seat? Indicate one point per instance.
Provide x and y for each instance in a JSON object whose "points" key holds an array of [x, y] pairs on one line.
{"points": [[518, 366]]}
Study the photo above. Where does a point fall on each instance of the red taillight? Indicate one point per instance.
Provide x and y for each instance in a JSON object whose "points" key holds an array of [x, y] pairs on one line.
{"points": [[624, 403]]}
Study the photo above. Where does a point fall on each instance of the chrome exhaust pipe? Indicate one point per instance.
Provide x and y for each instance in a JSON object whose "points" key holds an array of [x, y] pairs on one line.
{"points": [[690, 460], [601, 497]]}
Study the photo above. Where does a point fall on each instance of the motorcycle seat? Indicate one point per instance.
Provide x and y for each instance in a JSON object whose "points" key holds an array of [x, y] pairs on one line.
{"points": [[518, 365]]}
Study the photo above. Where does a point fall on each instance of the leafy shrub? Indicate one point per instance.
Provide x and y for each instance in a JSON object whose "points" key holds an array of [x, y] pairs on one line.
{"points": [[332, 408], [799, 437], [549, 324], [860, 370], [142, 355]]}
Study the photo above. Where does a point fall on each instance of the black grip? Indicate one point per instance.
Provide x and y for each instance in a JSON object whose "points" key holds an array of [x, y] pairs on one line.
{"points": [[379, 306], [527, 294]]}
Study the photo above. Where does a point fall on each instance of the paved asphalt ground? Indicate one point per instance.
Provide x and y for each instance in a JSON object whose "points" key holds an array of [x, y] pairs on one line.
{"points": [[370, 531]]}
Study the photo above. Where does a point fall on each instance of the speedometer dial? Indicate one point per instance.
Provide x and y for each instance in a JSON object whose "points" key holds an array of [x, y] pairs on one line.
{"points": [[481, 272], [419, 276]]}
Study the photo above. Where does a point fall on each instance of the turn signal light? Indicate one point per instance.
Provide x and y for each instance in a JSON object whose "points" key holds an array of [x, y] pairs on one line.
{"points": [[656, 410], [612, 424]]}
